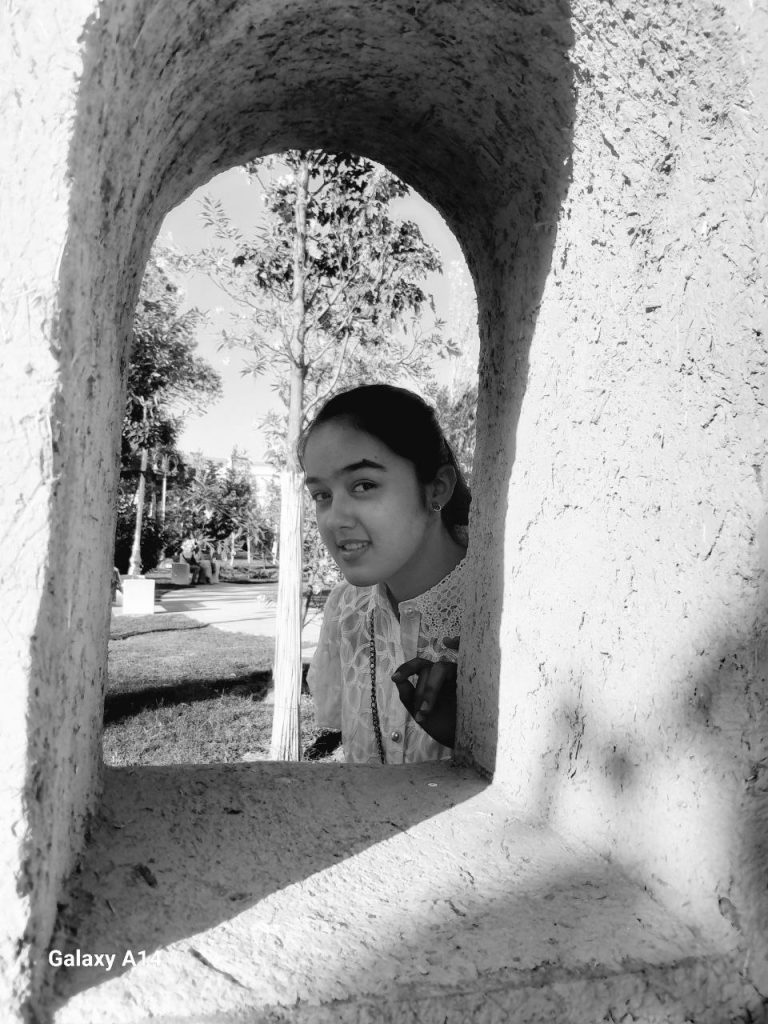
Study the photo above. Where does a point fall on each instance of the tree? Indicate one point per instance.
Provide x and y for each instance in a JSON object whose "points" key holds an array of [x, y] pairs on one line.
{"points": [[457, 413], [462, 318], [456, 403], [218, 505], [165, 380], [328, 290], [234, 511]]}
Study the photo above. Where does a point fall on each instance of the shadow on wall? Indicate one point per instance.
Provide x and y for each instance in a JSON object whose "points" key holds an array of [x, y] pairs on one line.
{"points": [[586, 772]]}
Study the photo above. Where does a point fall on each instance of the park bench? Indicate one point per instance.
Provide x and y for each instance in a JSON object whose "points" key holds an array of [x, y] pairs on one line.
{"points": [[181, 574], [184, 575]]}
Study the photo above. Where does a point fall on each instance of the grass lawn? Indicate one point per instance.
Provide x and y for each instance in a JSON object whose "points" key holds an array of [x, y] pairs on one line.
{"points": [[181, 691]]}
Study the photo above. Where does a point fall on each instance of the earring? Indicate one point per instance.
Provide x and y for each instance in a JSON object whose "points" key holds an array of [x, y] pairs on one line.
{"points": [[436, 507]]}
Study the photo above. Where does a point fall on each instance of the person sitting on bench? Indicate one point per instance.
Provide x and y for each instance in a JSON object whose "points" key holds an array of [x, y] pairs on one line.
{"points": [[190, 550]]}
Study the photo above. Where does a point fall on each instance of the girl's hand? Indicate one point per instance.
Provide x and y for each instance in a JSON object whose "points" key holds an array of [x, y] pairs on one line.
{"points": [[324, 745], [432, 701]]}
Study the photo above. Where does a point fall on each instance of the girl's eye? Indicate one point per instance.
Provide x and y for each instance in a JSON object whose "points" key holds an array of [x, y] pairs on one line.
{"points": [[319, 496], [362, 486]]}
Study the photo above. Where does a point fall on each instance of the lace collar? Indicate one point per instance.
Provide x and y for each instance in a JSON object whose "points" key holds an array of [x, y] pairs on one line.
{"points": [[439, 607]]}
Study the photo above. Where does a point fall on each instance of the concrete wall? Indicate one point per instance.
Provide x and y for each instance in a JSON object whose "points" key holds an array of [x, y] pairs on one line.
{"points": [[118, 110], [56, 515], [631, 602]]}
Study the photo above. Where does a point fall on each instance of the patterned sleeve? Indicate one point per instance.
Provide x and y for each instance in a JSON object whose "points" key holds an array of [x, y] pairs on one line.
{"points": [[324, 676]]}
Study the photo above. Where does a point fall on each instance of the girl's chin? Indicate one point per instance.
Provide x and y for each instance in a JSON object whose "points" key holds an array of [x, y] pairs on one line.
{"points": [[358, 576]]}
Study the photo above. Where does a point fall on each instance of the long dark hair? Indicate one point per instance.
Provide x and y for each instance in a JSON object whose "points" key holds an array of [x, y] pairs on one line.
{"points": [[408, 426]]}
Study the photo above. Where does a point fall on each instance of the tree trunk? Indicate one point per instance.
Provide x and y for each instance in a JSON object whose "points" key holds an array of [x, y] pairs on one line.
{"points": [[163, 490], [134, 568], [286, 726], [163, 493]]}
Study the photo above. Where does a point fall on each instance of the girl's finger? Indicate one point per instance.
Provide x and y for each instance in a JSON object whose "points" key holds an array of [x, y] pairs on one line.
{"points": [[401, 678], [431, 682], [410, 668], [405, 691], [413, 697], [422, 693]]}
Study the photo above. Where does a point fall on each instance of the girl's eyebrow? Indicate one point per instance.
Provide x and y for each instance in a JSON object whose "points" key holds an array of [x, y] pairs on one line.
{"points": [[352, 468], [362, 464]]}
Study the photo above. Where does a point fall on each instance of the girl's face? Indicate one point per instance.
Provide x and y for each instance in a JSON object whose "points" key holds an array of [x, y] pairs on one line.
{"points": [[372, 512]]}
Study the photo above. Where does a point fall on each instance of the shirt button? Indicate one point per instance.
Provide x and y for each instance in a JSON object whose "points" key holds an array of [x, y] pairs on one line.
{"points": [[395, 737]]}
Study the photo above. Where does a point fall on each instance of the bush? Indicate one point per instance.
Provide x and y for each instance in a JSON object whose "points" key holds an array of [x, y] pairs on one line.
{"points": [[244, 573]]}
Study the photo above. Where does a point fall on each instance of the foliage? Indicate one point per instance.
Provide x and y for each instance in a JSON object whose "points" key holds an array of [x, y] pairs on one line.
{"points": [[165, 377], [457, 415], [235, 509], [218, 507], [456, 404], [165, 381], [153, 537], [363, 274]]}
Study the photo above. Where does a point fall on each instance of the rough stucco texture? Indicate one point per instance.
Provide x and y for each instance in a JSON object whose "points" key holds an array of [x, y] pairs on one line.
{"points": [[617, 642], [123, 109], [54, 518], [311, 893], [632, 645]]}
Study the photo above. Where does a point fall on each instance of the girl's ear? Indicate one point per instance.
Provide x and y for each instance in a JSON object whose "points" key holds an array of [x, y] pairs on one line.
{"points": [[441, 488]]}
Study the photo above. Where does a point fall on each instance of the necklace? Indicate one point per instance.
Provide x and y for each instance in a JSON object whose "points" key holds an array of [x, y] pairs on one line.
{"points": [[374, 702]]}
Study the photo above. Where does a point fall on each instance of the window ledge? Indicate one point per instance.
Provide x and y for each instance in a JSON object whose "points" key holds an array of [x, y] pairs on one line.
{"points": [[328, 892]]}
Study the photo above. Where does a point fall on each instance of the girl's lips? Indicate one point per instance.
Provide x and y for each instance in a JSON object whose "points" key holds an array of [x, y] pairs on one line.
{"points": [[352, 549]]}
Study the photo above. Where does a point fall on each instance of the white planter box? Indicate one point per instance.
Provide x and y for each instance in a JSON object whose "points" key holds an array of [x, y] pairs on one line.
{"points": [[138, 596]]}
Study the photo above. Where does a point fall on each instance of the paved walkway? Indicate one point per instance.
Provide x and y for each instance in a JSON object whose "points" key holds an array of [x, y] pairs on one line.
{"points": [[239, 608]]}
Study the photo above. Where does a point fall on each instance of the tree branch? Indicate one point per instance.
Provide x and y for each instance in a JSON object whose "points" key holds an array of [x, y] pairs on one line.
{"points": [[308, 409]]}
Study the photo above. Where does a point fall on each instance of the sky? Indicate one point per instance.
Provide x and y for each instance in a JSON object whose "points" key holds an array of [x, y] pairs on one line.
{"points": [[234, 419]]}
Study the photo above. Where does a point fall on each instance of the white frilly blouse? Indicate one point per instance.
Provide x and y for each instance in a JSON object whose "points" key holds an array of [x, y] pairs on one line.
{"points": [[340, 680]]}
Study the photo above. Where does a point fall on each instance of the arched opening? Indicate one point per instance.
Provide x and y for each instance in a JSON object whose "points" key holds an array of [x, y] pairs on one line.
{"points": [[196, 696], [189, 97], [492, 158]]}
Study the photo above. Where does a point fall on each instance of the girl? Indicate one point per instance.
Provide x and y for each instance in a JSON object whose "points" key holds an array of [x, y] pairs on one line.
{"points": [[392, 510]]}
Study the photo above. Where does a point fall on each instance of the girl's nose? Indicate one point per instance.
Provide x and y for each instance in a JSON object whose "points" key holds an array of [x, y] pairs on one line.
{"points": [[340, 513]]}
